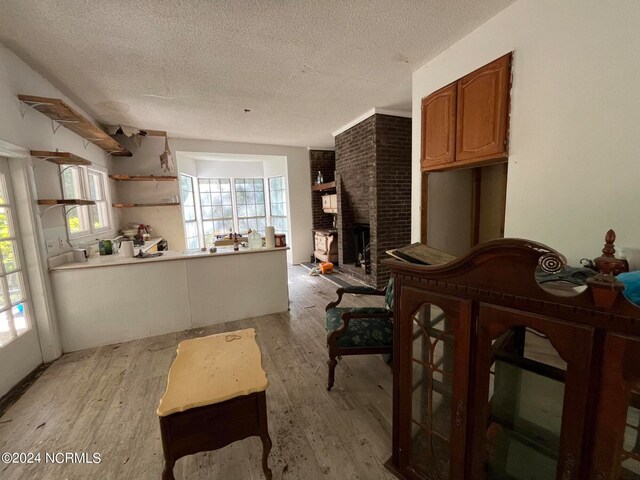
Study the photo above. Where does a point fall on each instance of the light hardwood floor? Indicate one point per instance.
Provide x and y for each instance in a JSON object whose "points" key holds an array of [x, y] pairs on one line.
{"points": [[104, 400]]}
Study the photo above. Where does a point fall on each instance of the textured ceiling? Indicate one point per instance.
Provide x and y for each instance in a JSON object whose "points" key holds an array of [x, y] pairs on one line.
{"points": [[303, 67]]}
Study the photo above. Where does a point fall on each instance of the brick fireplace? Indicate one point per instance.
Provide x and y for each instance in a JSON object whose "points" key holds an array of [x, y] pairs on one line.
{"points": [[373, 183]]}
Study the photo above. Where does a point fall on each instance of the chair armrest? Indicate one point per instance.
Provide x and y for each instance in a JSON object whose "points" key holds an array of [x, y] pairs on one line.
{"points": [[355, 289], [355, 316], [362, 290]]}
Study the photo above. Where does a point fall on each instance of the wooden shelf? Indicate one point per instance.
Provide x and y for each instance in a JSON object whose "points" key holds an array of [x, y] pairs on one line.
{"points": [[143, 178], [323, 186], [60, 158], [63, 114], [133, 205], [67, 201]]}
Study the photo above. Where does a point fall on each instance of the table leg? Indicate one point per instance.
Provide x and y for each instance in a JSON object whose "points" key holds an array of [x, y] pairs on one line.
{"points": [[264, 434], [167, 472]]}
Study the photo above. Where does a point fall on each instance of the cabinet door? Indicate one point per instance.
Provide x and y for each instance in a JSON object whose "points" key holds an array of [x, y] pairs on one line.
{"points": [[531, 391], [616, 443], [433, 374], [483, 109], [439, 127]]}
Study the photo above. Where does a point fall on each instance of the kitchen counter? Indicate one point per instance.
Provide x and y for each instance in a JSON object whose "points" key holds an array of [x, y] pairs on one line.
{"points": [[117, 260], [112, 299]]}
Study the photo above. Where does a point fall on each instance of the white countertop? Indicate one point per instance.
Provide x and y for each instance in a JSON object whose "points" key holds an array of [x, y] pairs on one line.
{"points": [[116, 260]]}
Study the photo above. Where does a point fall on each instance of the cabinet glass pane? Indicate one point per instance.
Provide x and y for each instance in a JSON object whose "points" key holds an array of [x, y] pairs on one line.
{"points": [[631, 446], [432, 359], [526, 396]]}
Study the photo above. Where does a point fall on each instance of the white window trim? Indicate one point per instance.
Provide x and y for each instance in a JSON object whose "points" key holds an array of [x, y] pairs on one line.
{"points": [[196, 206], [84, 177], [286, 202], [265, 188]]}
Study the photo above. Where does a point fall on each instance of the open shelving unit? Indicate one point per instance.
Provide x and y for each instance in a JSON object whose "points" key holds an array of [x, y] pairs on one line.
{"points": [[320, 187], [60, 158], [143, 178], [135, 205], [65, 201], [62, 114]]}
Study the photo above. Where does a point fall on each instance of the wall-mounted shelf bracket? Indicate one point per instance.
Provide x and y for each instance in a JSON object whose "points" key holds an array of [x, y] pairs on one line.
{"points": [[24, 104], [88, 141], [56, 124]]}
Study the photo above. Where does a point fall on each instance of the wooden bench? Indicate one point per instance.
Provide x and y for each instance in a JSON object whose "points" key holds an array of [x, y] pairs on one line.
{"points": [[215, 396]]}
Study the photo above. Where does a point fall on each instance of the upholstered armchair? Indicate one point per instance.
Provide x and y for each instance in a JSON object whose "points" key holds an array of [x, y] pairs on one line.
{"points": [[359, 330]]}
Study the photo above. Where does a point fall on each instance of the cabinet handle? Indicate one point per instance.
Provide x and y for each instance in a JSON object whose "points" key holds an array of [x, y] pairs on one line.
{"points": [[459, 412], [567, 470]]}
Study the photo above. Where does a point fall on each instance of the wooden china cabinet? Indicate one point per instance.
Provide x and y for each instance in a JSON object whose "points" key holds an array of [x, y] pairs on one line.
{"points": [[496, 377]]}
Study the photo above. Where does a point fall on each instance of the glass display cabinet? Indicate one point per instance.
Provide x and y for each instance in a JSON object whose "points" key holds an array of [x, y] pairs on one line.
{"points": [[496, 378]]}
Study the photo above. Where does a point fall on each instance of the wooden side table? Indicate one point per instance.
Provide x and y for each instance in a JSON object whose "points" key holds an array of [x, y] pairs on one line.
{"points": [[215, 396]]}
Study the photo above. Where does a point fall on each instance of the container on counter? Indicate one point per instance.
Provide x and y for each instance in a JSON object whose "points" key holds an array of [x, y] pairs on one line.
{"points": [[269, 236], [255, 240], [126, 249], [280, 240]]}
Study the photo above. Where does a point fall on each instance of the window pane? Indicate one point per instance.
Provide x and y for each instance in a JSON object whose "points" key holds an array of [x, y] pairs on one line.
{"points": [[71, 182], [4, 195], [6, 226], [6, 334], [3, 297], [193, 242], [9, 255], [21, 318], [96, 191], [16, 287]]}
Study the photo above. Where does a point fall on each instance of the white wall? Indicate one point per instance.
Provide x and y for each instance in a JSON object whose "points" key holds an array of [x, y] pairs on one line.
{"points": [[220, 168], [297, 172], [34, 132], [165, 221], [573, 163]]}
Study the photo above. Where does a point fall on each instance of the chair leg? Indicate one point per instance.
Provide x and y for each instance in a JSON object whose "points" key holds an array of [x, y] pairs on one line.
{"points": [[332, 362]]}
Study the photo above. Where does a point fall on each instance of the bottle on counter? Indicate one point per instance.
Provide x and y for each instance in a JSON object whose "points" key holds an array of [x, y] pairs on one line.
{"points": [[236, 246]]}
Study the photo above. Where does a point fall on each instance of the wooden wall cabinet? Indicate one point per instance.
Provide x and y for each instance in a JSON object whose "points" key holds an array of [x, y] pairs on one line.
{"points": [[465, 124], [496, 378]]}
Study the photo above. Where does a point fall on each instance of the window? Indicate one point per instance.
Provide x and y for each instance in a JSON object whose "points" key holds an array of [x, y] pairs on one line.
{"points": [[278, 204], [189, 211], [250, 204], [86, 183], [211, 206], [216, 206], [14, 312]]}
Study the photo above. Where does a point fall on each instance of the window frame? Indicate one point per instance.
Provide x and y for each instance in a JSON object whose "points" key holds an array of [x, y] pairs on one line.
{"points": [[285, 202], [19, 270], [212, 205], [85, 211], [255, 204], [196, 218]]}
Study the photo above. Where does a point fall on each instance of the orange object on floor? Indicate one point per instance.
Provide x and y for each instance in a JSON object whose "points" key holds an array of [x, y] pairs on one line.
{"points": [[326, 267]]}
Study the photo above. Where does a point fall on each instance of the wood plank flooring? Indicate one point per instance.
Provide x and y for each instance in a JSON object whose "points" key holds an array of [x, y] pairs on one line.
{"points": [[103, 401]]}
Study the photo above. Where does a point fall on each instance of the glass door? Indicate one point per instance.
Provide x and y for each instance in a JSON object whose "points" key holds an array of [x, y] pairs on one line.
{"points": [[435, 349], [19, 343], [616, 453], [531, 384]]}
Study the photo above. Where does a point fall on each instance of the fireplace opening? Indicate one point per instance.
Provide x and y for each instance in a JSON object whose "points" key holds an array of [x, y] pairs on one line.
{"points": [[361, 237]]}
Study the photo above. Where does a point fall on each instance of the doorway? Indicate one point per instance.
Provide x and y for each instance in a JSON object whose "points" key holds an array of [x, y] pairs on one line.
{"points": [[19, 343], [462, 208]]}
